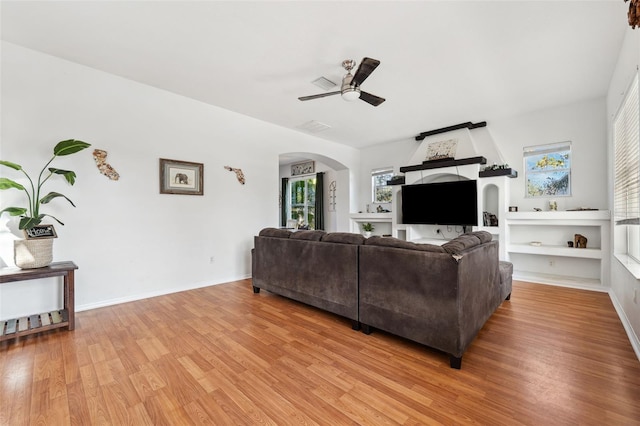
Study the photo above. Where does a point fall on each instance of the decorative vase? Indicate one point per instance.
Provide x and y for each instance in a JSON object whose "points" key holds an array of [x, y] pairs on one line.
{"points": [[367, 234], [30, 254]]}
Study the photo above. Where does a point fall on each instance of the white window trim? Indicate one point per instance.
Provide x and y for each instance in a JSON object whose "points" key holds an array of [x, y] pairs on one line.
{"points": [[378, 172], [621, 236], [290, 204]]}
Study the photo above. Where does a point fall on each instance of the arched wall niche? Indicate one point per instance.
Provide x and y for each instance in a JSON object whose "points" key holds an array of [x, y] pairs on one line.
{"points": [[491, 199], [439, 177]]}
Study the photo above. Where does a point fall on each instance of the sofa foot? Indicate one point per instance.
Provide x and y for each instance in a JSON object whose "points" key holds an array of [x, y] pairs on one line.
{"points": [[355, 325], [256, 289], [455, 362], [366, 329], [508, 297]]}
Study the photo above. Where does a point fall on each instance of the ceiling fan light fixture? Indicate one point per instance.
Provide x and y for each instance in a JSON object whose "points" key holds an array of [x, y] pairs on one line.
{"points": [[351, 94]]}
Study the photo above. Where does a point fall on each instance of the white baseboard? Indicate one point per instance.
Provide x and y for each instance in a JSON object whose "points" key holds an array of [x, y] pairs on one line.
{"points": [[133, 298], [633, 338]]}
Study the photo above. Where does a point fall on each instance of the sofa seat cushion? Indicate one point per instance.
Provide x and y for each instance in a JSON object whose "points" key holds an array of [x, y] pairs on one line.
{"points": [[398, 243], [343, 238], [275, 233], [307, 235], [506, 279]]}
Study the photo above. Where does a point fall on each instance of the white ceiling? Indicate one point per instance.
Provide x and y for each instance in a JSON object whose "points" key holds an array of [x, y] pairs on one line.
{"points": [[442, 63]]}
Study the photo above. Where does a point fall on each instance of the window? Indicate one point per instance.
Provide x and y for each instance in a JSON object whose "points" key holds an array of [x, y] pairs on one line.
{"points": [[302, 201], [548, 170], [626, 202], [381, 192]]}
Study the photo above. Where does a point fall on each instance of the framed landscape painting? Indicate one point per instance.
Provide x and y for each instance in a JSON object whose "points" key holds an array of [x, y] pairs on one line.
{"points": [[548, 170], [181, 177]]}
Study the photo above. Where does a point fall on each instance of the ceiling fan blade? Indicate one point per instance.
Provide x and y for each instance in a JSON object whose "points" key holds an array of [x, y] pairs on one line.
{"points": [[364, 70], [371, 99], [321, 95]]}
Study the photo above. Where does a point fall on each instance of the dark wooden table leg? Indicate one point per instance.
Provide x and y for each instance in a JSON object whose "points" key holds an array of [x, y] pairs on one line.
{"points": [[70, 303]]}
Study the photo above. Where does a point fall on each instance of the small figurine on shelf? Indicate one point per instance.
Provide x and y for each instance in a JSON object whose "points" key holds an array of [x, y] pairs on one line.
{"points": [[580, 241]]}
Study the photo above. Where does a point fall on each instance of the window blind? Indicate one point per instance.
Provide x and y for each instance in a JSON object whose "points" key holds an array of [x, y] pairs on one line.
{"points": [[626, 139]]}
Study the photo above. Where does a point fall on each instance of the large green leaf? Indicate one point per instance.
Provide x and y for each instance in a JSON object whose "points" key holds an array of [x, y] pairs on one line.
{"points": [[14, 211], [69, 146], [10, 164], [50, 196], [30, 222], [68, 174], [52, 217], [8, 184]]}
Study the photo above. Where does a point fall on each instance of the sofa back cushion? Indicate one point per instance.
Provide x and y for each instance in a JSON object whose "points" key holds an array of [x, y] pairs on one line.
{"points": [[307, 235], [465, 241], [275, 233], [484, 236], [343, 238], [398, 243]]}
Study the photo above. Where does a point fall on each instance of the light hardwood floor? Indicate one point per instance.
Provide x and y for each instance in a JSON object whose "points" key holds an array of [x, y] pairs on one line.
{"points": [[223, 355]]}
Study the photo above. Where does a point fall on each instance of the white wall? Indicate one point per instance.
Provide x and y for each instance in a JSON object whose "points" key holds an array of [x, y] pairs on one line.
{"points": [[582, 123], [503, 141], [395, 155], [128, 240], [623, 283]]}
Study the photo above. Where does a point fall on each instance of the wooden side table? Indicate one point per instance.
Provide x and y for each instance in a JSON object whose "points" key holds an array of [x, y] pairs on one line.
{"points": [[12, 328]]}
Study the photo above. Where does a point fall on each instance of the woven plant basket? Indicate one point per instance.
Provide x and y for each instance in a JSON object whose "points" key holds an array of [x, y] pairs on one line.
{"points": [[30, 254]]}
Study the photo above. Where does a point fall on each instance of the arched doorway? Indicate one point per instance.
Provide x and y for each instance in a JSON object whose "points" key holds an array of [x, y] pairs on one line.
{"points": [[299, 170]]}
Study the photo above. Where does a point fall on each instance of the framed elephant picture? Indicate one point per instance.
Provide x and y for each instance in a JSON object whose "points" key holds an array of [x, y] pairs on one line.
{"points": [[181, 177]]}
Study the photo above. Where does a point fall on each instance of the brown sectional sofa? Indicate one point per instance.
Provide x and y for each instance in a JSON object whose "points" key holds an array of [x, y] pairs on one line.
{"points": [[439, 296], [300, 266]]}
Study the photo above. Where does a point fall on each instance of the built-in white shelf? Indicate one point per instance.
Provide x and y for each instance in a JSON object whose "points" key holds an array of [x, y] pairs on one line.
{"points": [[494, 230], [551, 250], [433, 241], [553, 261], [371, 217], [549, 217], [382, 222]]}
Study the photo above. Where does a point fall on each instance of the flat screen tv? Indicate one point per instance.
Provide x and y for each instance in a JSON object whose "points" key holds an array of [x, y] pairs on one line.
{"points": [[441, 203]]}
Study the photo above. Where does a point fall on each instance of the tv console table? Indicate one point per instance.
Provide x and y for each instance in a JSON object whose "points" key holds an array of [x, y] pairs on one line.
{"points": [[13, 328]]}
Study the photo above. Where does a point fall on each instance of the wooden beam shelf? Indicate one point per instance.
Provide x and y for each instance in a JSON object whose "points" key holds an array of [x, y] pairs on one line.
{"points": [[436, 164]]}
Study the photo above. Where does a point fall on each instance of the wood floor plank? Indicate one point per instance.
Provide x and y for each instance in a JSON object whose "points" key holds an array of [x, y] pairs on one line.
{"points": [[224, 355]]}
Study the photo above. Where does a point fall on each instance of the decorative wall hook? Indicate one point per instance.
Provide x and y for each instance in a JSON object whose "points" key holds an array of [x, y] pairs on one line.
{"points": [[238, 173], [100, 156]]}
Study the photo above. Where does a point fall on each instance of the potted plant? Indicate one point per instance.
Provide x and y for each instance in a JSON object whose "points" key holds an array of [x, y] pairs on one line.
{"points": [[35, 253], [367, 228]]}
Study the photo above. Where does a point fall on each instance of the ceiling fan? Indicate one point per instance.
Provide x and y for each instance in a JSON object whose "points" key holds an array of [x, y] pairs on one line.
{"points": [[350, 89]]}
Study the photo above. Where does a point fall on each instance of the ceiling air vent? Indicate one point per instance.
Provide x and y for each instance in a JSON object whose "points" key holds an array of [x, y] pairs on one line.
{"points": [[324, 83], [313, 126]]}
